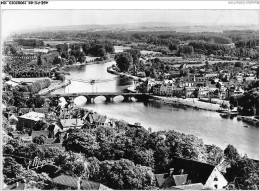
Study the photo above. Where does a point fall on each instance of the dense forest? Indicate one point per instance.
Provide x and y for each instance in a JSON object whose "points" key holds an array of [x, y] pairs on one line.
{"points": [[219, 43], [153, 37], [124, 157]]}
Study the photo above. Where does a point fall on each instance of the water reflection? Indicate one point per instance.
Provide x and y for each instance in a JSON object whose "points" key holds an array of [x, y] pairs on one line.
{"points": [[206, 125], [124, 81]]}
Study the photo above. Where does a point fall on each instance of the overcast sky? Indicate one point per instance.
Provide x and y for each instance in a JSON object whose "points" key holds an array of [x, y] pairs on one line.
{"points": [[16, 20]]}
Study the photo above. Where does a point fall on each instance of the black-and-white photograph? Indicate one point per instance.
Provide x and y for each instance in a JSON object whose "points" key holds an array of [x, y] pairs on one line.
{"points": [[130, 99]]}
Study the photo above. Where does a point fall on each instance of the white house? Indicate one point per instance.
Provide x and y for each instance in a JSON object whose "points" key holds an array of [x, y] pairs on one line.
{"points": [[166, 89], [216, 180]]}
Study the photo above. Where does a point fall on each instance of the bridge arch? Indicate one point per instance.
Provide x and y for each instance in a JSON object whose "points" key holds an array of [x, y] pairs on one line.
{"points": [[109, 96], [101, 97], [118, 98], [80, 100]]}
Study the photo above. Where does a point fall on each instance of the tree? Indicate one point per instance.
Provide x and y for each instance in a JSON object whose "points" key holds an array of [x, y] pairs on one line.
{"points": [[109, 48], [185, 49], [61, 77], [141, 66], [207, 64], [8, 98], [86, 47], [239, 64], [147, 73], [184, 72], [106, 151], [73, 168], [218, 85], [123, 61], [214, 154], [65, 55], [104, 133], [161, 158], [72, 60], [61, 158], [173, 47], [8, 149], [231, 152], [247, 170], [39, 61], [122, 147], [36, 180], [252, 182], [186, 146], [62, 47], [93, 168], [81, 57], [38, 140], [143, 157], [19, 99], [13, 50], [136, 54], [79, 169], [224, 105], [51, 152], [56, 60], [139, 136], [11, 169], [39, 101], [153, 73], [123, 174], [80, 141]]}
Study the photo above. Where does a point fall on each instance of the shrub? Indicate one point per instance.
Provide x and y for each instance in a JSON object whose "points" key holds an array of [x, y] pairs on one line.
{"points": [[8, 149], [38, 140], [39, 85], [23, 88], [61, 77]]}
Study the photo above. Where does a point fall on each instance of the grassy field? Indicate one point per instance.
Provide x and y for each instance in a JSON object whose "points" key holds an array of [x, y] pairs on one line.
{"points": [[55, 42]]}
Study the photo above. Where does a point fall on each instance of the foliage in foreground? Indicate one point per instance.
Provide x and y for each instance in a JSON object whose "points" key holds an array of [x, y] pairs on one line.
{"points": [[124, 157]]}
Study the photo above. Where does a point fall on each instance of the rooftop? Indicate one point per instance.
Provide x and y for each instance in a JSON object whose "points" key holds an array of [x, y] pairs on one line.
{"points": [[72, 182], [198, 172]]}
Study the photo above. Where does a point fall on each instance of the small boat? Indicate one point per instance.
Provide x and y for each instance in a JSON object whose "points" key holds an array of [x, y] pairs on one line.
{"points": [[246, 126], [224, 115], [196, 108]]}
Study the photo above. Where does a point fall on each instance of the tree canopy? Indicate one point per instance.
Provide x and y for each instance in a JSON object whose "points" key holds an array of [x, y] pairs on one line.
{"points": [[123, 61]]}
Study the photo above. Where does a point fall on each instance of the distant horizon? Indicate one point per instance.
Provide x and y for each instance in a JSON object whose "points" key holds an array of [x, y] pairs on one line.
{"points": [[14, 21], [151, 22]]}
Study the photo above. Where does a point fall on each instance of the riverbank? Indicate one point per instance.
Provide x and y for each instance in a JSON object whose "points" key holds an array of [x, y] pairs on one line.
{"points": [[197, 104], [89, 63], [112, 71], [54, 86], [250, 120], [190, 102]]}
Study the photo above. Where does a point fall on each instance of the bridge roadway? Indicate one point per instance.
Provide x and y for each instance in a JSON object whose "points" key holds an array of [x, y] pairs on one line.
{"points": [[90, 96]]}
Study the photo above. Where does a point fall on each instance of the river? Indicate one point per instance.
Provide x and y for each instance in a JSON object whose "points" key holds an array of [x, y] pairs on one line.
{"points": [[205, 124]]}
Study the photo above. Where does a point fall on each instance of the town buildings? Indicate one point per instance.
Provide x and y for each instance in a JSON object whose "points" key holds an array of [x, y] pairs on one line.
{"points": [[222, 85]]}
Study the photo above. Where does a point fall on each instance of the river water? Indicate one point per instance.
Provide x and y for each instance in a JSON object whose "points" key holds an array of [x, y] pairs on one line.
{"points": [[205, 124]]}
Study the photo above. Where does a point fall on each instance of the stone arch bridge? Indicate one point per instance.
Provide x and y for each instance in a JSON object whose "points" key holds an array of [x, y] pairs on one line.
{"points": [[91, 96]]}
